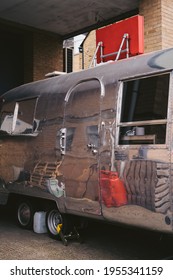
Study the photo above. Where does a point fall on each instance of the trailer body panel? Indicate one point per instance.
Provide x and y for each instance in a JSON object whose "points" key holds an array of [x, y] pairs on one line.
{"points": [[97, 142]]}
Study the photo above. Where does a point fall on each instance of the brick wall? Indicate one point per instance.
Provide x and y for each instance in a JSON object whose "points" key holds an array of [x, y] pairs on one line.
{"points": [[76, 62], [167, 23], [30, 52], [89, 48], [47, 54], [158, 24], [151, 10], [158, 29]]}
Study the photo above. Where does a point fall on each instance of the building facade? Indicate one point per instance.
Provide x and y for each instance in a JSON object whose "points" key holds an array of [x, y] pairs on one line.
{"points": [[28, 54], [158, 30]]}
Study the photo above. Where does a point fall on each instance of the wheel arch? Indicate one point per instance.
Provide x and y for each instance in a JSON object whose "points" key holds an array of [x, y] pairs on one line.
{"points": [[40, 203]]}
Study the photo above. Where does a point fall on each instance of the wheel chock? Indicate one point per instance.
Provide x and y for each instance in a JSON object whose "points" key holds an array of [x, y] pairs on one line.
{"points": [[62, 236], [71, 236]]}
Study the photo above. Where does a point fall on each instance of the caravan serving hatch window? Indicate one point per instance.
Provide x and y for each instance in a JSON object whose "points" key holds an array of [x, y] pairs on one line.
{"points": [[143, 115]]}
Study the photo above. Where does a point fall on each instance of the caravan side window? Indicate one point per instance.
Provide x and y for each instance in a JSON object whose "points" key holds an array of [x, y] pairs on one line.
{"points": [[17, 118], [143, 116]]}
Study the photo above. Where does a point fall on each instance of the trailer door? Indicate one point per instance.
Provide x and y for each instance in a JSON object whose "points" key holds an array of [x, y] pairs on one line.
{"points": [[79, 141]]}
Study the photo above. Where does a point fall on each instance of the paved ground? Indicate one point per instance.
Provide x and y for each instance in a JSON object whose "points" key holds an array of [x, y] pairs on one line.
{"points": [[101, 242]]}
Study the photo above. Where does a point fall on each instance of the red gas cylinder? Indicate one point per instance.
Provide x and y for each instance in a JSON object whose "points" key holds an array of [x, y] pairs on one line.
{"points": [[113, 191]]}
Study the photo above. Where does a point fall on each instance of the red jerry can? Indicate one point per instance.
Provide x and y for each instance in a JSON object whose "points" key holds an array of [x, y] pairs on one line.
{"points": [[105, 188], [118, 191], [113, 191]]}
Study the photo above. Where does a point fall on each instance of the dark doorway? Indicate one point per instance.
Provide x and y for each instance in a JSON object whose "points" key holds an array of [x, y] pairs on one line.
{"points": [[12, 60]]}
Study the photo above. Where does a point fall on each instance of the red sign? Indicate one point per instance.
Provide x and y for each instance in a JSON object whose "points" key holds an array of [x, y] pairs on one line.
{"points": [[112, 35]]}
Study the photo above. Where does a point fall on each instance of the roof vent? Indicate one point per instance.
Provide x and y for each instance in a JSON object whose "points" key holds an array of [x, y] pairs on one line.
{"points": [[54, 73]]}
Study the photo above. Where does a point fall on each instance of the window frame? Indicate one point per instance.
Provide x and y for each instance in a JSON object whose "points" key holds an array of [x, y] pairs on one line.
{"points": [[15, 115], [165, 121]]}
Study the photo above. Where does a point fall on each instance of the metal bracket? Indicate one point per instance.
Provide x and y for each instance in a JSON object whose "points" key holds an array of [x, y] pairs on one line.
{"points": [[63, 132]]}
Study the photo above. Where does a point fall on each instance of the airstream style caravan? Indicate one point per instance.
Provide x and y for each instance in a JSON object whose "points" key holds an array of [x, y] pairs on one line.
{"points": [[96, 143]]}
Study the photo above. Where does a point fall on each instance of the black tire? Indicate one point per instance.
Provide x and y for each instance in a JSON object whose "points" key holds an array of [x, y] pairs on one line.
{"points": [[25, 215], [53, 219]]}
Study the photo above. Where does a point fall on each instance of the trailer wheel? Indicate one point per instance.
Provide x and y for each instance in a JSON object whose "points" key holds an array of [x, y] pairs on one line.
{"points": [[25, 214], [53, 219]]}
